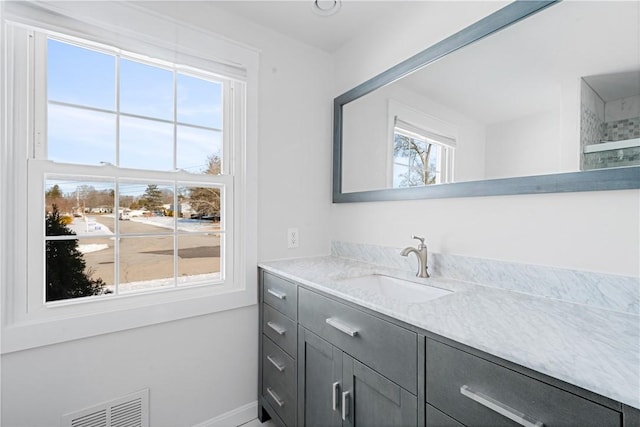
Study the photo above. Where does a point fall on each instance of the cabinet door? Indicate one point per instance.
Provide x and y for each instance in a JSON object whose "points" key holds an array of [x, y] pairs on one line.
{"points": [[374, 401], [319, 381]]}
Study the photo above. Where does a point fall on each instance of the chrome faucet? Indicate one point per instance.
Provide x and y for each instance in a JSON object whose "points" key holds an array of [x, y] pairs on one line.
{"points": [[421, 253]]}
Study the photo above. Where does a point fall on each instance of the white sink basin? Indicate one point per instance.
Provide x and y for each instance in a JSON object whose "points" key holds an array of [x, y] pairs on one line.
{"points": [[398, 289]]}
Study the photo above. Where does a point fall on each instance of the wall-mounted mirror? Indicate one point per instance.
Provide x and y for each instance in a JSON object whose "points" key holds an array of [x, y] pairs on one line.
{"points": [[509, 105]]}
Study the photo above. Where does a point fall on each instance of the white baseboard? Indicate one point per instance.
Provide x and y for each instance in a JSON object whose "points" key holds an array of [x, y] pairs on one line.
{"points": [[233, 418]]}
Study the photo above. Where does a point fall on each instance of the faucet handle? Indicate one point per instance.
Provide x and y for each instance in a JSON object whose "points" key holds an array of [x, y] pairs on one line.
{"points": [[418, 238]]}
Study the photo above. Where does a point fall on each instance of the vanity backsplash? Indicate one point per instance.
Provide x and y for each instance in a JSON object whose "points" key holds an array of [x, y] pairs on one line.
{"points": [[607, 291]]}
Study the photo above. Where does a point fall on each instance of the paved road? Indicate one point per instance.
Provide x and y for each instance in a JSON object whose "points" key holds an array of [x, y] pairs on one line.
{"points": [[149, 258]]}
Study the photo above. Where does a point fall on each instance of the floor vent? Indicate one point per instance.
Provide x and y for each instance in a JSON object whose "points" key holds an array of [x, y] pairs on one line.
{"points": [[128, 411]]}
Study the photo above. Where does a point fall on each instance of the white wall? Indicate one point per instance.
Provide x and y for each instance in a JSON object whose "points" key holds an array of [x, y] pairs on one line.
{"points": [[202, 367], [295, 116], [595, 231], [195, 369], [524, 146]]}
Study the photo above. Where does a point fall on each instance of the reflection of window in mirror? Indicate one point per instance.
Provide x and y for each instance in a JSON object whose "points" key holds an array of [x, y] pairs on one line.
{"points": [[420, 157], [421, 148]]}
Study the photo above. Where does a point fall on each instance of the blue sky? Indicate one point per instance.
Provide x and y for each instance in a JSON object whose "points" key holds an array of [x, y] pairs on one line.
{"points": [[87, 78]]}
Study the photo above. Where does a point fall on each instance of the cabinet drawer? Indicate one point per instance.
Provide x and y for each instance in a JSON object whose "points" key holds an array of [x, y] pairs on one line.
{"points": [[282, 401], [477, 392], [280, 329], [280, 294], [385, 347], [278, 368], [279, 381], [436, 418]]}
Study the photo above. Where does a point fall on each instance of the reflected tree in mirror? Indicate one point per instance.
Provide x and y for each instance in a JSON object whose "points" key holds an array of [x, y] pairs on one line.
{"points": [[413, 164]]}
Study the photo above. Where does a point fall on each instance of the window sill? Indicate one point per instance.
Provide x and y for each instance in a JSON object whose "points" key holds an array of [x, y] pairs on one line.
{"points": [[27, 335]]}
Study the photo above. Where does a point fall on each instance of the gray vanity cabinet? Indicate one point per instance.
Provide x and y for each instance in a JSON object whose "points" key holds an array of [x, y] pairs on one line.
{"points": [[464, 389], [337, 390], [277, 350], [329, 363], [320, 371], [351, 365]]}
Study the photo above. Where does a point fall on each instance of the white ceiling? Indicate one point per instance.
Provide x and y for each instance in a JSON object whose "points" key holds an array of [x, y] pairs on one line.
{"points": [[296, 19], [514, 73]]}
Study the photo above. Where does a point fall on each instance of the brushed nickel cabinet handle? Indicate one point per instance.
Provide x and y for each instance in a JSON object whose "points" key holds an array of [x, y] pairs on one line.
{"points": [[277, 328], [345, 405], [278, 366], [275, 397], [500, 408], [277, 294], [349, 330], [334, 398]]}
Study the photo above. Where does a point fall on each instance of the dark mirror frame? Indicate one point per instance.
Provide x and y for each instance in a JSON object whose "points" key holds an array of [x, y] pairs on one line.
{"points": [[591, 180]]}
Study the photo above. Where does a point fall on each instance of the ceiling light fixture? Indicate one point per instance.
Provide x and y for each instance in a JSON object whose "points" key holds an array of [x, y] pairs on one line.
{"points": [[326, 7]]}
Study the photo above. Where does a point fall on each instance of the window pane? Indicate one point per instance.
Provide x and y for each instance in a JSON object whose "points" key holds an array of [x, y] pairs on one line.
{"points": [[146, 263], [80, 76], [146, 90], [76, 135], [198, 258], [149, 206], [199, 102], [83, 208], [146, 144], [200, 208], [435, 160], [400, 172], [199, 150], [74, 269]]}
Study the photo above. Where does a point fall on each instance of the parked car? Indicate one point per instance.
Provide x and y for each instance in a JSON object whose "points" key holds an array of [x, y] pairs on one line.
{"points": [[124, 214]]}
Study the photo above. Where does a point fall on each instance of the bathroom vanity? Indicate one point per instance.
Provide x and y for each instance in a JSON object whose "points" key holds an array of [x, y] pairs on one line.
{"points": [[333, 353]]}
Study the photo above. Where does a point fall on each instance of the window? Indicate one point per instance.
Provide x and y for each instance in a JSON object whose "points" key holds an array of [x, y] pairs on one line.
{"points": [[420, 157], [149, 159], [133, 181]]}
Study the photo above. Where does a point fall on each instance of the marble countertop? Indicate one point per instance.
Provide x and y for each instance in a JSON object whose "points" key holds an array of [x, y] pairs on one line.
{"points": [[596, 349]]}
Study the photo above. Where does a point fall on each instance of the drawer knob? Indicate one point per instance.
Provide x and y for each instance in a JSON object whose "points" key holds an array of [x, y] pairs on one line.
{"points": [[349, 330], [500, 408], [277, 328], [275, 397], [278, 366], [279, 295]]}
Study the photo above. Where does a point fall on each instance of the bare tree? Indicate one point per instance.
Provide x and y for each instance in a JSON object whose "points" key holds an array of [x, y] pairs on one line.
{"points": [[418, 152], [205, 201]]}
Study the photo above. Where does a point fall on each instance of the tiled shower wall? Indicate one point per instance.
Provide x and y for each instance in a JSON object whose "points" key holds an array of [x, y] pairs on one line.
{"points": [[620, 130], [612, 121], [622, 119], [591, 116]]}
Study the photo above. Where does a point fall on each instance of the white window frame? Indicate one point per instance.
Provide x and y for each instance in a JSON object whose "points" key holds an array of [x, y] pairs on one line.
{"points": [[27, 322], [420, 125]]}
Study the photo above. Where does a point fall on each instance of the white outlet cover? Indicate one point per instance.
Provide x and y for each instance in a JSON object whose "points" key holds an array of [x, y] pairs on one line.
{"points": [[293, 238]]}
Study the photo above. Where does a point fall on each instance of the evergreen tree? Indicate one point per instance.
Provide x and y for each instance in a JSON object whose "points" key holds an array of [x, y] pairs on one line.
{"points": [[54, 192], [66, 277], [152, 198]]}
